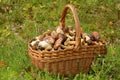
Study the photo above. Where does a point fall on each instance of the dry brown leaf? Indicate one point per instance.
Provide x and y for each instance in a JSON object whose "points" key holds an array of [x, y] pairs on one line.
{"points": [[2, 63]]}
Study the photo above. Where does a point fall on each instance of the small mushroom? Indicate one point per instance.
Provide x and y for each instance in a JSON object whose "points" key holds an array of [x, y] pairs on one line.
{"points": [[82, 40], [66, 29], [66, 42], [34, 44], [57, 43], [54, 34], [86, 38], [83, 35], [59, 30], [72, 33], [44, 45], [95, 36], [70, 37], [40, 37]]}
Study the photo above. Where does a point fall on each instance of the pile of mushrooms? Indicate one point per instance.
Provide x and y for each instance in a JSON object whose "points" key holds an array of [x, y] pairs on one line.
{"points": [[63, 38]]}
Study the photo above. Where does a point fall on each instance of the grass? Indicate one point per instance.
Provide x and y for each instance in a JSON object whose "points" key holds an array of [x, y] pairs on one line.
{"points": [[21, 20]]}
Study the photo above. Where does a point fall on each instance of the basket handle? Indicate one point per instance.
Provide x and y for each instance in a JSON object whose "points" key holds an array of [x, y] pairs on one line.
{"points": [[78, 28]]}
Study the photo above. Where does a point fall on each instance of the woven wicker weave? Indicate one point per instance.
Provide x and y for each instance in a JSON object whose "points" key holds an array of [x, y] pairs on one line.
{"points": [[67, 61]]}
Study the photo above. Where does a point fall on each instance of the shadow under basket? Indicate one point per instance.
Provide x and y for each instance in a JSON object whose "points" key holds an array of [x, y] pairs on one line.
{"points": [[67, 61]]}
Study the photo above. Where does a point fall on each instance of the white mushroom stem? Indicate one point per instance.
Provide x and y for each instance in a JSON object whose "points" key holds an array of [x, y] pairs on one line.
{"points": [[70, 37], [84, 35], [87, 38], [82, 40], [66, 42], [72, 33], [33, 43], [59, 30], [37, 38], [71, 42]]}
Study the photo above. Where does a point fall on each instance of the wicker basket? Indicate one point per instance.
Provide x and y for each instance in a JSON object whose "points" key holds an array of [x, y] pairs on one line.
{"points": [[68, 61]]}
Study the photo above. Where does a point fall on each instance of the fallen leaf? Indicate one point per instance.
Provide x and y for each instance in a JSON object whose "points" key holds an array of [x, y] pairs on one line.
{"points": [[2, 63]]}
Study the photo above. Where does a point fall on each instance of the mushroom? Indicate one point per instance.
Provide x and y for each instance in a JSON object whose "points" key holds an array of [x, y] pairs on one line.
{"points": [[83, 35], [54, 34], [44, 45], [66, 29], [66, 42], [67, 32], [49, 39], [62, 36], [86, 38], [59, 30], [82, 41], [70, 37], [58, 42], [40, 37], [34, 44], [72, 32], [95, 36]]}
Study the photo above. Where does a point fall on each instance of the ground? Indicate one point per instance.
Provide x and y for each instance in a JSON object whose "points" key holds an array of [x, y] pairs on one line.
{"points": [[21, 20]]}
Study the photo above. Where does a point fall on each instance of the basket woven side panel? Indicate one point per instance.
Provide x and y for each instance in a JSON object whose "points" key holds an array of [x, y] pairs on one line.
{"points": [[66, 62]]}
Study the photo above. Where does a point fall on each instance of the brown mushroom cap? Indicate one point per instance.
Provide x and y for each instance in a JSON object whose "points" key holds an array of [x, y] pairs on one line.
{"points": [[95, 36], [57, 43], [66, 29]]}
